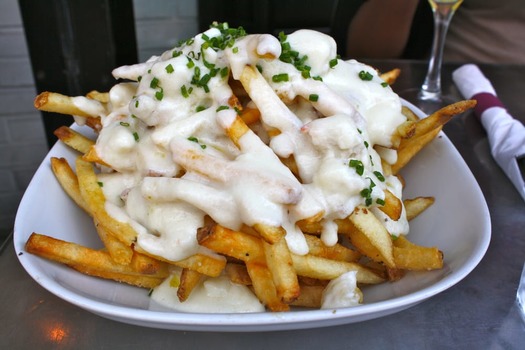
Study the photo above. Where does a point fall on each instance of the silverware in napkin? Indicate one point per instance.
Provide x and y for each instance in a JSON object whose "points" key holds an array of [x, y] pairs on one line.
{"points": [[506, 135]]}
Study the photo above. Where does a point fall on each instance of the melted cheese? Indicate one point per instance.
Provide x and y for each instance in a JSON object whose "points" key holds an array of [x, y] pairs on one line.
{"points": [[166, 138]]}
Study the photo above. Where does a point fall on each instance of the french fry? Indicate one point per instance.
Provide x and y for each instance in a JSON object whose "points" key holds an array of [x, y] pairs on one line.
{"points": [[391, 76], [336, 252], [412, 147], [69, 182], [416, 206], [94, 197], [58, 103], [73, 254], [393, 206], [237, 273], [189, 279], [119, 252], [102, 97], [370, 227], [326, 269], [270, 234], [279, 262], [263, 286], [142, 281], [310, 297], [74, 139], [410, 256]]}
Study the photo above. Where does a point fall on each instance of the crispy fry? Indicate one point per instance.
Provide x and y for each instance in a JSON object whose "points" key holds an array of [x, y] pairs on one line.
{"points": [[237, 273], [326, 269], [370, 227], [94, 197], [410, 256], [393, 206], [416, 206], [263, 286], [336, 252], [99, 96], [74, 139], [280, 264], [119, 252], [142, 281], [391, 76], [58, 103], [69, 182], [412, 147], [73, 254], [270, 234], [310, 297], [189, 279]]}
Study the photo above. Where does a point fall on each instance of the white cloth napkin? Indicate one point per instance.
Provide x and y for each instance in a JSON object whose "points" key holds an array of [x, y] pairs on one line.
{"points": [[506, 135]]}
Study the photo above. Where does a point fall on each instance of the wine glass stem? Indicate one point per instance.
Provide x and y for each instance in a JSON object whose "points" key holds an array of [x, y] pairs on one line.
{"points": [[431, 88]]}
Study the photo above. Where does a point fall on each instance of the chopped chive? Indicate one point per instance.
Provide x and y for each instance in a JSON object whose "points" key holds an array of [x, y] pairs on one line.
{"points": [[333, 62], [221, 108], [184, 91], [154, 83], [380, 201], [136, 136], [169, 69], [366, 76], [379, 176], [200, 108], [357, 165], [159, 95], [124, 124], [384, 84], [279, 78], [259, 68], [313, 97], [101, 184]]}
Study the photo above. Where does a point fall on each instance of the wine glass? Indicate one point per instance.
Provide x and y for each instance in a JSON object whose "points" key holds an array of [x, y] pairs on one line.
{"points": [[429, 97]]}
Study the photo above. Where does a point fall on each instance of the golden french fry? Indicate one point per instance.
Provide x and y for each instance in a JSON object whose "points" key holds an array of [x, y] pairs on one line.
{"points": [[92, 156], [74, 139], [250, 115], [189, 279], [119, 252], [69, 182], [147, 265], [78, 106], [391, 76], [98, 96], [270, 234], [410, 256], [142, 281], [263, 286], [407, 112], [393, 206], [441, 117], [279, 262], [310, 296], [368, 225], [74, 254], [411, 147], [238, 245], [95, 199], [415, 206], [336, 252], [326, 269], [237, 273], [403, 131]]}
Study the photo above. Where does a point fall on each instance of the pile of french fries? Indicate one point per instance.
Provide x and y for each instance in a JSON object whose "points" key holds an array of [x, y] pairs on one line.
{"points": [[258, 255]]}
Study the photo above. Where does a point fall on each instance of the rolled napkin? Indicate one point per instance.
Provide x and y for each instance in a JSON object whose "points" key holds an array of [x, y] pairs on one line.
{"points": [[506, 135]]}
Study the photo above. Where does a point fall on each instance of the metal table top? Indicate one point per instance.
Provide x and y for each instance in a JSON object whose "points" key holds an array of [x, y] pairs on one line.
{"points": [[478, 312]]}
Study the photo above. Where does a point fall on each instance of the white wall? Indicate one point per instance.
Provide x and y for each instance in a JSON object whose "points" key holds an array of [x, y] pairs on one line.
{"points": [[160, 24]]}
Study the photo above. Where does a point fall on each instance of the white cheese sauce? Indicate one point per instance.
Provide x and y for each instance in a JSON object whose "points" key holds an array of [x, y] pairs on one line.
{"points": [[166, 137]]}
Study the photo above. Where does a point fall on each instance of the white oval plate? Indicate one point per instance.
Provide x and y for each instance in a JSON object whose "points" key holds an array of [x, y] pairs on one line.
{"points": [[458, 223]]}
